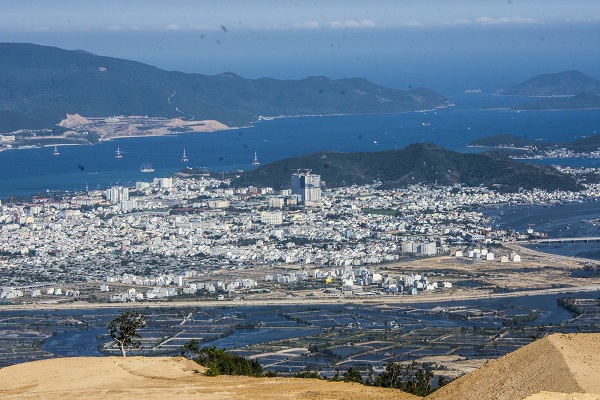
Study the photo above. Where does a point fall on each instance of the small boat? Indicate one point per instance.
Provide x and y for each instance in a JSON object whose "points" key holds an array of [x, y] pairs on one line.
{"points": [[55, 152], [184, 157], [146, 167], [118, 155], [255, 161]]}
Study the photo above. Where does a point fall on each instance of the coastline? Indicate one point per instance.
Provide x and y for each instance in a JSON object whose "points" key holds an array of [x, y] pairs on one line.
{"points": [[404, 299], [109, 132]]}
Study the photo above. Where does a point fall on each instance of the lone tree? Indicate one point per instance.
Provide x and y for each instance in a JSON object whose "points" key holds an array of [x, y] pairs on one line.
{"points": [[123, 329]]}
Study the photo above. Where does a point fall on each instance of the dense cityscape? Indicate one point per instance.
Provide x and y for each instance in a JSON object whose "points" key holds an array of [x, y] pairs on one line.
{"points": [[190, 234]]}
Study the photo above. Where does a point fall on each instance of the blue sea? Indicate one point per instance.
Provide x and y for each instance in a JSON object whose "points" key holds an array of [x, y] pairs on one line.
{"points": [[30, 171]]}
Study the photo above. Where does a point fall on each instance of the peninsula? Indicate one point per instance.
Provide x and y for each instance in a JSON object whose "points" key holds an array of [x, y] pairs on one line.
{"points": [[43, 84]]}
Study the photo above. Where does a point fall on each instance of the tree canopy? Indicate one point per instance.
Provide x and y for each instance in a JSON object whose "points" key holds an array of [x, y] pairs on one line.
{"points": [[124, 329], [220, 362]]}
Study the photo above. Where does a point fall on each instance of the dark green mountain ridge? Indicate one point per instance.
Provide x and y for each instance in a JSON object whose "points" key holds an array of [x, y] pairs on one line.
{"points": [[417, 163], [39, 85]]}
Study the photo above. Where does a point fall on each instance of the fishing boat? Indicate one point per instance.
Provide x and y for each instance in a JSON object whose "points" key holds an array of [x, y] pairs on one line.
{"points": [[146, 167]]}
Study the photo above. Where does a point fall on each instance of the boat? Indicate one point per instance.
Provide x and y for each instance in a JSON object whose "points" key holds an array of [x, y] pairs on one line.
{"points": [[146, 167], [55, 152], [184, 157], [255, 161], [118, 155]]}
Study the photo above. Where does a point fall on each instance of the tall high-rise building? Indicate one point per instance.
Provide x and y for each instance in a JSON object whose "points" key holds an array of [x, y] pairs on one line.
{"points": [[307, 185], [117, 194]]}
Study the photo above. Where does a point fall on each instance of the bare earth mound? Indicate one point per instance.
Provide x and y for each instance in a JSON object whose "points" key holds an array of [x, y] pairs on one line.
{"points": [[563, 396], [558, 363], [162, 378], [558, 367]]}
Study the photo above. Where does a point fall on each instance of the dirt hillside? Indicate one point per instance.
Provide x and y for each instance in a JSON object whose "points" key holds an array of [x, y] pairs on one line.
{"points": [[558, 367], [163, 378], [563, 396], [558, 363]]}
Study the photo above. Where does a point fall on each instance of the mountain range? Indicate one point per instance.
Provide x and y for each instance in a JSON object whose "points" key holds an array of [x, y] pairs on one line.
{"points": [[39, 85], [417, 163]]}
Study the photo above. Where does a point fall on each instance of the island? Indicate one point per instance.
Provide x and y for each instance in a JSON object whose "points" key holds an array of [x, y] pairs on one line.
{"points": [[568, 90]]}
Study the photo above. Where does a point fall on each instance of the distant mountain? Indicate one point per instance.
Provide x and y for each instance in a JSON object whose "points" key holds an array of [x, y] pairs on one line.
{"points": [[39, 85], [568, 83], [417, 163]]}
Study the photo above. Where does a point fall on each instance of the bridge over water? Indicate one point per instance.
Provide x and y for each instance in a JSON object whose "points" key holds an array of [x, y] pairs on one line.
{"points": [[563, 240]]}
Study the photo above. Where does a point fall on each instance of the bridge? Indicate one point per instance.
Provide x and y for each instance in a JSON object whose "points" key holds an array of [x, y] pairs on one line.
{"points": [[563, 240]]}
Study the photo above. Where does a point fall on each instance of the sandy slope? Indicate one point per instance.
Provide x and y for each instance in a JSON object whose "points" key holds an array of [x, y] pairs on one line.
{"points": [[557, 363], [162, 378], [563, 396], [558, 367]]}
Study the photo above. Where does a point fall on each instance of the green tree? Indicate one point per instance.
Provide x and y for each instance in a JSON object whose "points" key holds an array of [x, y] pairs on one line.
{"points": [[540, 332], [352, 375], [411, 378], [124, 329], [308, 374], [220, 362]]}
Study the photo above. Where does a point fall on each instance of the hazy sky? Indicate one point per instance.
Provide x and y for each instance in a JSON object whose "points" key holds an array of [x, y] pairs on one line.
{"points": [[446, 45]]}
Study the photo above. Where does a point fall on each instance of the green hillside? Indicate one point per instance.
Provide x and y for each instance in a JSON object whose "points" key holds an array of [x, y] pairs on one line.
{"points": [[417, 163], [567, 83], [39, 85]]}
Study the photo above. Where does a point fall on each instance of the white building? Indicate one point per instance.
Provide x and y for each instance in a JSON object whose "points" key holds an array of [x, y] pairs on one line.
{"points": [[117, 194], [142, 185], [276, 202], [307, 185], [271, 218]]}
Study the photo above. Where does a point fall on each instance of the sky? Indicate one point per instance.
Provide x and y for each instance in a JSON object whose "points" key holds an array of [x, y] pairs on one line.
{"points": [[446, 45]]}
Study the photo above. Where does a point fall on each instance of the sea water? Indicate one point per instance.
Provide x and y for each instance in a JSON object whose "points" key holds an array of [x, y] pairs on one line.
{"points": [[29, 171], [568, 220]]}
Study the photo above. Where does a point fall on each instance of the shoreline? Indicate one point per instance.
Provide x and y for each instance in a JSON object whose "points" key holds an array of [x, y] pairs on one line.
{"points": [[403, 299], [206, 126]]}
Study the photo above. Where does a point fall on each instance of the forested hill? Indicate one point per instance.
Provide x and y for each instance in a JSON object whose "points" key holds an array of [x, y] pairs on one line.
{"points": [[39, 85], [567, 83], [568, 90], [417, 163]]}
